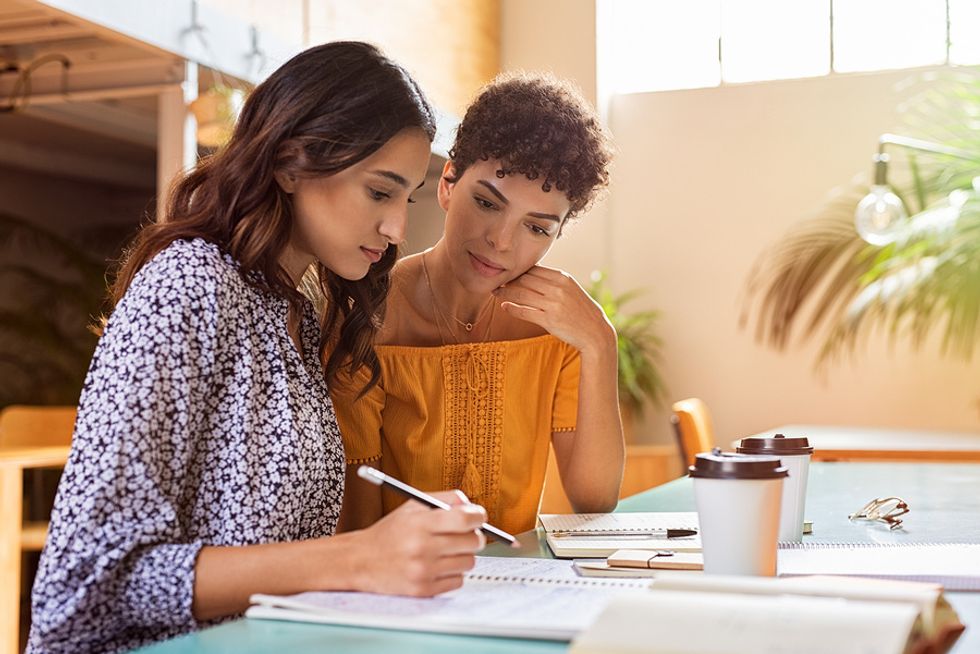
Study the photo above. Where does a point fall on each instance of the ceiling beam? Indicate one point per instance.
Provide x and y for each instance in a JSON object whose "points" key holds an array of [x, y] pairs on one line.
{"points": [[53, 30], [100, 118], [57, 161]]}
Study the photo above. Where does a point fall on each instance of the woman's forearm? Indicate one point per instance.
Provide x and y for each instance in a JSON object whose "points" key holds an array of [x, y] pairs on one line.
{"points": [[414, 550], [225, 577], [592, 460]]}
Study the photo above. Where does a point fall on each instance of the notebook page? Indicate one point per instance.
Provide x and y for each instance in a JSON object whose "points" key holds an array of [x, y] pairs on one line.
{"points": [[534, 570], [956, 566], [504, 604], [923, 595], [619, 521], [675, 622]]}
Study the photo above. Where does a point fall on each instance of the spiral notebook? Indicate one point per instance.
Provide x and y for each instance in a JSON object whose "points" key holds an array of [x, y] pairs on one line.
{"points": [[608, 532], [954, 565], [514, 597]]}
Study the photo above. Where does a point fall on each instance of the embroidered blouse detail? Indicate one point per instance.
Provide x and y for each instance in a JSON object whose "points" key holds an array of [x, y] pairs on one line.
{"points": [[474, 419], [475, 416]]}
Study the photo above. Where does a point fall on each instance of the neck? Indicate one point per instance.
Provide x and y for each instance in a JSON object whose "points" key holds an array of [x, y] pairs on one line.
{"points": [[451, 296], [295, 262]]}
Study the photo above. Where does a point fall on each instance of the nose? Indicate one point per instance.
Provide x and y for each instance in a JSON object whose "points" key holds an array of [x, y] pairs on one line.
{"points": [[394, 224], [500, 236]]}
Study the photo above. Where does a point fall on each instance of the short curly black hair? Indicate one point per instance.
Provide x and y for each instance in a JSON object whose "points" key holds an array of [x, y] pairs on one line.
{"points": [[540, 126]]}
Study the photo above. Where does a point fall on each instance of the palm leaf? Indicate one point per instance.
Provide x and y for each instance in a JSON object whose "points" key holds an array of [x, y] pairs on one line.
{"points": [[823, 279]]}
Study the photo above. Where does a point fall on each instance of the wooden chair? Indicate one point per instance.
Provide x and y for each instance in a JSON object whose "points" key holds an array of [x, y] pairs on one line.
{"points": [[692, 425], [30, 438]]}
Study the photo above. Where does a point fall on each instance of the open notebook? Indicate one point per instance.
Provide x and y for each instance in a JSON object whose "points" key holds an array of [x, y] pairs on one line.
{"points": [[528, 598], [604, 533], [955, 566], [545, 599], [693, 614]]}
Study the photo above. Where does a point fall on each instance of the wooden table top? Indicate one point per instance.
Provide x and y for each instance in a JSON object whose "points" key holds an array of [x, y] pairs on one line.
{"points": [[841, 443]]}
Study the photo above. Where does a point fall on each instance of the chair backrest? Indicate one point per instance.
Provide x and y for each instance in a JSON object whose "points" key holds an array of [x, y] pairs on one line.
{"points": [[692, 424], [36, 426]]}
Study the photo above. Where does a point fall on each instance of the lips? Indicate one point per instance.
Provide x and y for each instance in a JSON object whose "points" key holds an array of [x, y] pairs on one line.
{"points": [[373, 254], [484, 266]]}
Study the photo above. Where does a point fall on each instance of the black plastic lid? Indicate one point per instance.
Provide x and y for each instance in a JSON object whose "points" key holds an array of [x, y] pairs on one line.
{"points": [[775, 445], [729, 465]]}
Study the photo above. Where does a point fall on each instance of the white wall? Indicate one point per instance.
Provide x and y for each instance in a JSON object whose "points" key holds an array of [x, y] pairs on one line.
{"points": [[704, 181], [558, 36]]}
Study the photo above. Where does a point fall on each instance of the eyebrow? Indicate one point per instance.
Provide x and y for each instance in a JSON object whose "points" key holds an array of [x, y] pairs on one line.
{"points": [[395, 177], [500, 196]]}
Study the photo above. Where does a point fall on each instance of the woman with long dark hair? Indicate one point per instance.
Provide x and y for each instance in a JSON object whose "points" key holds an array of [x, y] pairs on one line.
{"points": [[206, 463]]}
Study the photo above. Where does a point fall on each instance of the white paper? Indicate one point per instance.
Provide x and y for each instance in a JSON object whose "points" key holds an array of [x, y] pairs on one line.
{"points": [[955, 566], [675, 622], [533, 598]]}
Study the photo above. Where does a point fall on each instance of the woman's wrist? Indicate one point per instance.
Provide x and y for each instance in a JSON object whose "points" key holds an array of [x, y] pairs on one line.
{"points": [[601, 348], [337, 562]]}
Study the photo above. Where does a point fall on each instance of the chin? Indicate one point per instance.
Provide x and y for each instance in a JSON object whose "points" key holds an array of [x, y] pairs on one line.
{"points": [[353, 275]]}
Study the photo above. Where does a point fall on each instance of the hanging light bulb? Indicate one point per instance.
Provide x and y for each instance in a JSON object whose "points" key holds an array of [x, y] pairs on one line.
{"points": [[880, 217]]}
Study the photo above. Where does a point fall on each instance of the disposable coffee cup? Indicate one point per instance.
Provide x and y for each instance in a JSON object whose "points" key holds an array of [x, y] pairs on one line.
{"points": [[795, 454], [738, 498]]}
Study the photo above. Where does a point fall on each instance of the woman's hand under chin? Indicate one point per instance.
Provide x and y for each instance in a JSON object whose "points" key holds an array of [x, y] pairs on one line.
{"points": [[554, 301]]}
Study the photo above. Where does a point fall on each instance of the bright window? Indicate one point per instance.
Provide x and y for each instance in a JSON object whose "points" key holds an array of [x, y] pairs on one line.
{"points": [[883, 34], [964, 42], [661, 44], [654, 45], [774, 39]]}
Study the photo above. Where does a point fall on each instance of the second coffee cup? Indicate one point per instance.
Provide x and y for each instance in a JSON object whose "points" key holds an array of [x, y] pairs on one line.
{"points": [[738, 498], [795, 454]]}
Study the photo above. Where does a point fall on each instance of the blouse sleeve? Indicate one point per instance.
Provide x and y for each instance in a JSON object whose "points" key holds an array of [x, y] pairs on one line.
{"points": [[359, 418], [565, 415], [117, 559]]}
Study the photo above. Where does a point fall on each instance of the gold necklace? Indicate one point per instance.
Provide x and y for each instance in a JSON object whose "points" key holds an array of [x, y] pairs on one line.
{"points": [[437, 310]]}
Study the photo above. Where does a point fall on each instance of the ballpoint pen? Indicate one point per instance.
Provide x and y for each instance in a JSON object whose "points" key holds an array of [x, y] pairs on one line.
{"points": [[379, 478], [625, 533]]}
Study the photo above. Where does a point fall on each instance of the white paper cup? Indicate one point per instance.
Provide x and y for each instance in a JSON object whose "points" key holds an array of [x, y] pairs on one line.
{"points": [[738, 500], [795, 454]]}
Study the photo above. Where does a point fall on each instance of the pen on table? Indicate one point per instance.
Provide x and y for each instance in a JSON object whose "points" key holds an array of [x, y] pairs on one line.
{"points": [[626, 533], [379, 478]]}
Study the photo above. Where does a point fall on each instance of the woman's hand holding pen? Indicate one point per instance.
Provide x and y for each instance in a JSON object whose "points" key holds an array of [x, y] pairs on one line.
{"points": [[553, 300], [419, 551]]}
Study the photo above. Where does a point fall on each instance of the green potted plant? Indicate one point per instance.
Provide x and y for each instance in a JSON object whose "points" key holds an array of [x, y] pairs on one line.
{"points": [[638, 347]]}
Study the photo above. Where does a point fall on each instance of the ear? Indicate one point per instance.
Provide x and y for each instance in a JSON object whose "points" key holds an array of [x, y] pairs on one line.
{"points": [[286, 181], [445, 188]]}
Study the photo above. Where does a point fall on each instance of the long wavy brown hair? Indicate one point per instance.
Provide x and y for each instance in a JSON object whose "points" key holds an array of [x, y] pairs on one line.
{"points": [[324, 110]]}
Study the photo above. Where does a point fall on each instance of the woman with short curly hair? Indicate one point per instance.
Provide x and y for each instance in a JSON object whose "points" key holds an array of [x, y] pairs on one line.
{"points": [[487, 356]]}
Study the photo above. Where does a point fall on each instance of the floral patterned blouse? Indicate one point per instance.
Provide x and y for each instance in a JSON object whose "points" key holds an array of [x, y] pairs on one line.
{"points": [[199, 424]]}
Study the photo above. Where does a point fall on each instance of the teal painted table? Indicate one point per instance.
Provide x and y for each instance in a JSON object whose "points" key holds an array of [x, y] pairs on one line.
{"points": [[945, 507]]}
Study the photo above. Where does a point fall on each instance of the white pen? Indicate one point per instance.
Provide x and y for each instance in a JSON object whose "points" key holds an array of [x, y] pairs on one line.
{"points": [[379, 478]]}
